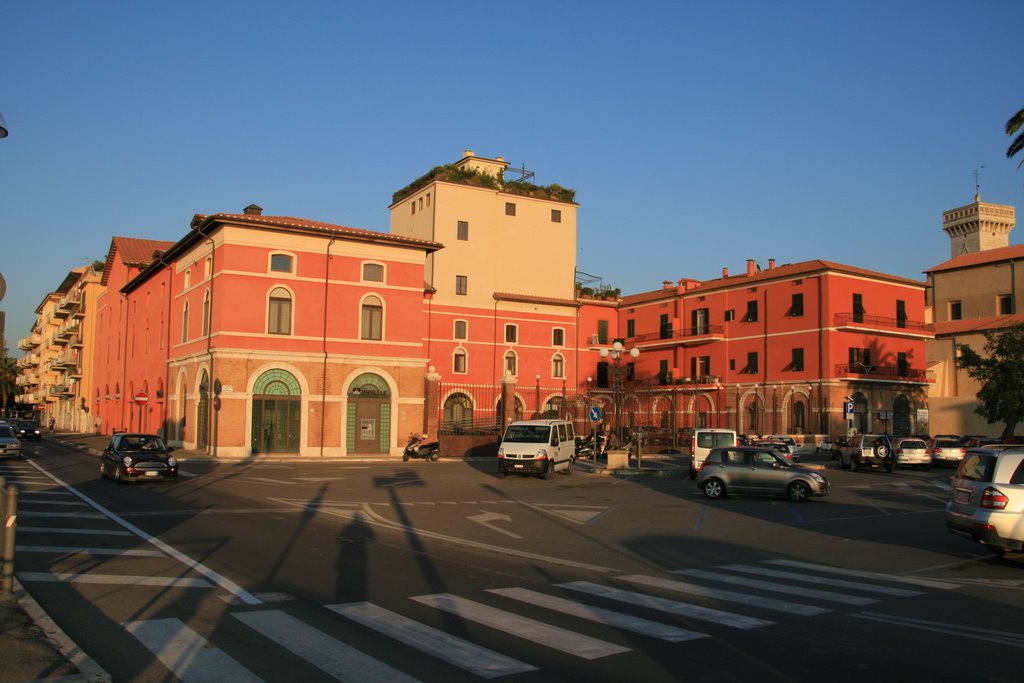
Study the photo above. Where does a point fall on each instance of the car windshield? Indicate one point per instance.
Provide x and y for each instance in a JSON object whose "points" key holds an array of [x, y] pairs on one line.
{"points": [[29, 426], [527, 434], [6, 430], [141, 443], [946, 443]]}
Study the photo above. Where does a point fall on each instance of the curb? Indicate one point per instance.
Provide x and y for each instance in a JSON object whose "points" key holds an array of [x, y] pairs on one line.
{"points": [[89, 670]]}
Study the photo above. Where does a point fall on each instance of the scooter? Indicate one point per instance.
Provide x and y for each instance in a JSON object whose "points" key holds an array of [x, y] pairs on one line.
{"points": [[418, 447]]}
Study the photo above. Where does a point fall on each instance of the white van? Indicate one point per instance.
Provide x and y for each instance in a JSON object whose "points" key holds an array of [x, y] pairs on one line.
{"points": [[537, 447], [703, 441]]}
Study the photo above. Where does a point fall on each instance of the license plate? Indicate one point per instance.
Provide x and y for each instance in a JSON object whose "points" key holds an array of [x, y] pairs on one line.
{"points": [[152, 474], [519, 467], [962, 496]]}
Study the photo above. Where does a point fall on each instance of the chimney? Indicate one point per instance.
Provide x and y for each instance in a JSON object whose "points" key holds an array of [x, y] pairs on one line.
{"points": [[468, 153], [771, 264], [751, 267], [253, 210], [725, 272], [666, 284]]}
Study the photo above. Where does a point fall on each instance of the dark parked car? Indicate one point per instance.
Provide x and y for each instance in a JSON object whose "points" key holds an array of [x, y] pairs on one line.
{"points": [[138, 456], [29, 429], [744, 469]]}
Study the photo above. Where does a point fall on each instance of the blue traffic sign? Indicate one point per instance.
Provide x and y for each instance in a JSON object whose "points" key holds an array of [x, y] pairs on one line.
{"points": [[595, 413]]}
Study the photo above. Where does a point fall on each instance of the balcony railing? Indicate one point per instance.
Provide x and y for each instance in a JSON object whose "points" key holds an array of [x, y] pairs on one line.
{"points": [[29, 342], [891, 372], [860, 320], [682, 334]]}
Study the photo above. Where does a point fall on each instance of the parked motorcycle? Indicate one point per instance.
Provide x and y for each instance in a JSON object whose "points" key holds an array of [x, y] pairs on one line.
{"points": [[419, 447]]}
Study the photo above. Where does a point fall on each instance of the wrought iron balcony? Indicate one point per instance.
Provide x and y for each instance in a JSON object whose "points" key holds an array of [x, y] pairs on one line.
{"points": [[860, 321], [886, 372]]}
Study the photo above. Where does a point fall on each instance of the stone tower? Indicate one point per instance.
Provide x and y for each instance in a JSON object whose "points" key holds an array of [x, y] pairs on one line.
{"points": [[978, 226]]}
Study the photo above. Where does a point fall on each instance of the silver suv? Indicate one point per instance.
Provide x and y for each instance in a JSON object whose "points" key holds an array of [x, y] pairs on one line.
{"points": [[987, 500], [743, 469], [868, 450]]}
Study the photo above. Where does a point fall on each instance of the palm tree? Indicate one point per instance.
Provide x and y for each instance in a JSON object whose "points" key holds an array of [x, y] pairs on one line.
{"points": [[8, 381], [1015, 123]]}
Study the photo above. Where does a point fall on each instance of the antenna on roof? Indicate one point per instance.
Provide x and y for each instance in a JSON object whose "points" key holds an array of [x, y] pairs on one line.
{"points": [[977, 183], [524, 175]]}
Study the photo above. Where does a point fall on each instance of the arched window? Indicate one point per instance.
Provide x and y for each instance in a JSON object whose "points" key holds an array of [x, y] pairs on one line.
{"points": [[459, 361], [188, 278], [372, 320], [279, 312], [558, 366], [458, 412], [184, 323], [206, 314], [510, 363], [799, 425], [208, 267]]}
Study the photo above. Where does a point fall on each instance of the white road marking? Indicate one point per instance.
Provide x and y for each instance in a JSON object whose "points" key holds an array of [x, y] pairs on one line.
{"points": [[116, 580], [538, 632], [727, 596], [686, 609], [627, 622], [580, 514], [802, 591], [188, 655], [130, 552], [54, 503], [485, 518], [821, 580], [264, 480], [340, 660], [83, 532], [456, 651], [959, 630], [80, 515], [33, 494], [927, 583]]}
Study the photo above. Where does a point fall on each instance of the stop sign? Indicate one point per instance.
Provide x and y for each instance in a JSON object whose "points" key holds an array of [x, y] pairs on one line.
{"points": [[141, 398]]}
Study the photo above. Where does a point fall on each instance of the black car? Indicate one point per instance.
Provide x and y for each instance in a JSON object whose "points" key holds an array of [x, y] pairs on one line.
{"points": [[28, 429], [138, 456]]}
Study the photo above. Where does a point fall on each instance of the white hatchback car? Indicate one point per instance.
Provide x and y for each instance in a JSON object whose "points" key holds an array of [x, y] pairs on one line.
{"points": [[987, 499], [912, 452]]}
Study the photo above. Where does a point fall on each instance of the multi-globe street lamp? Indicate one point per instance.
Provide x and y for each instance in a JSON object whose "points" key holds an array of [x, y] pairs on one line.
{"points": [[616, 353]]}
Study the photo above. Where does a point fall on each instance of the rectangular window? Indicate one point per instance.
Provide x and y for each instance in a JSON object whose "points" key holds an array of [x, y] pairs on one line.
{"points": [[860, 360], [901, 313], [699, 319], [461, 285], [732, 363], [902, 366], [459, 362], [558, 367], [511, 332], [556, 215], [751, 363], [730, 315], [665, 327], [510, 209], [796, 306], [955, 310], [630, 328], [858, 308], [413, 207], [461, 329], [602, 331], [280, 313], [1005, 304], [630, 372], [373, 322], [281, 263], [373, 272], [751, 316], [462, 231], [558, 337], [797, 362], [602, 375], [664, 377]]}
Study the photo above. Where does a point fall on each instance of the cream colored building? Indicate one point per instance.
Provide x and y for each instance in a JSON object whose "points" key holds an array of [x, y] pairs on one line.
{"points": [[975, 291]]}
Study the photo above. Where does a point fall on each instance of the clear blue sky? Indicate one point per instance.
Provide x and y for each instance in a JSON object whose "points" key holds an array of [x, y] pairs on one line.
{"points": [[696, 134]]}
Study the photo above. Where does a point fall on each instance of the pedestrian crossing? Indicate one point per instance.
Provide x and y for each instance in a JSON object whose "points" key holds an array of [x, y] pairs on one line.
{"points": [[629, 611]]}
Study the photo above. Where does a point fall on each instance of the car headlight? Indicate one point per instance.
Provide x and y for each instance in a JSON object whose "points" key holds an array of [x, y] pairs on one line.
{"points": [[542, 453], [817, 477], [126, 461], [172, 461], [501, 452]]}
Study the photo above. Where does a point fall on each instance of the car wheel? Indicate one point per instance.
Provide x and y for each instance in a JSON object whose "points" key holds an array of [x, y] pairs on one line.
{"points": [[119, 475], [713, 488], [568, 469], [103, 472], [549, 473], [798, 491]]}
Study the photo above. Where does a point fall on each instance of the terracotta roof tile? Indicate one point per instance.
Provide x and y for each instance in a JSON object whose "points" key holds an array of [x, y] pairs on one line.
{"points": [[994, 322], [981, 257], [305, 224], [132, 252]]}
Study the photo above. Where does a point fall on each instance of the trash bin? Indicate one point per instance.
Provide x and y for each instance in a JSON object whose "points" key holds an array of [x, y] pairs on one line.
{"points": [[618, 459]]}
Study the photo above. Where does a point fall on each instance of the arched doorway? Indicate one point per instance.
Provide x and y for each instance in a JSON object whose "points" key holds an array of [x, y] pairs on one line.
{"points": [[203, 413], [901, 416], [276, 413], [458, 413], [368, 419]]}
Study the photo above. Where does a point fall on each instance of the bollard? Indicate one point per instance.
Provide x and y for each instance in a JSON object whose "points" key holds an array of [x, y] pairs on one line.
{"points": [[10, 519]]}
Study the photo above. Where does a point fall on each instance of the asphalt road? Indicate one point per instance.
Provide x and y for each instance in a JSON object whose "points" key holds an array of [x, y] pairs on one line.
{"points": [[444, 572]]}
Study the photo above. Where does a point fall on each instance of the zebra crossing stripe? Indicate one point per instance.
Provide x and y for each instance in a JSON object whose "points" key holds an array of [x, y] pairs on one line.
{"points": [[538, 632], [726, 595], [778, 587], [116, 580], [186, 654], [70, 550], [83, 532], [600, 615], [823, 581], [456, 651], [340, 660], [77, 515], [670, 606], [914, 580]]}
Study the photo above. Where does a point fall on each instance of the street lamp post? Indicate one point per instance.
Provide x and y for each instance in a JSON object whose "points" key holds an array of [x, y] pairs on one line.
{"points": [[616, 353]]}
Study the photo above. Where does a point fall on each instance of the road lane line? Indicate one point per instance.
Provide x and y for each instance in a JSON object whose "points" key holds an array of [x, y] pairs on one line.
{"points": [[507, 623], [80, 515], [82, 532], [726, 595], [58, 549], [958, 630], [802, 591], [917, 581], [600, 615], [456, 651], [823, 581], [332, 656], [116, 580], [188, 655], [686, 609]]}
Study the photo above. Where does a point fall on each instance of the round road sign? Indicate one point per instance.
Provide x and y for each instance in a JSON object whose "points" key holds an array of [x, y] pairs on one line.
{"points": [[141, 398]]}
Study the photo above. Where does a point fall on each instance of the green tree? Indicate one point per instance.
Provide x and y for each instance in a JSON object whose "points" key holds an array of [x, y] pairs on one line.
{"points": [[1001, 375], [8, 382], [1015, 124]]}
